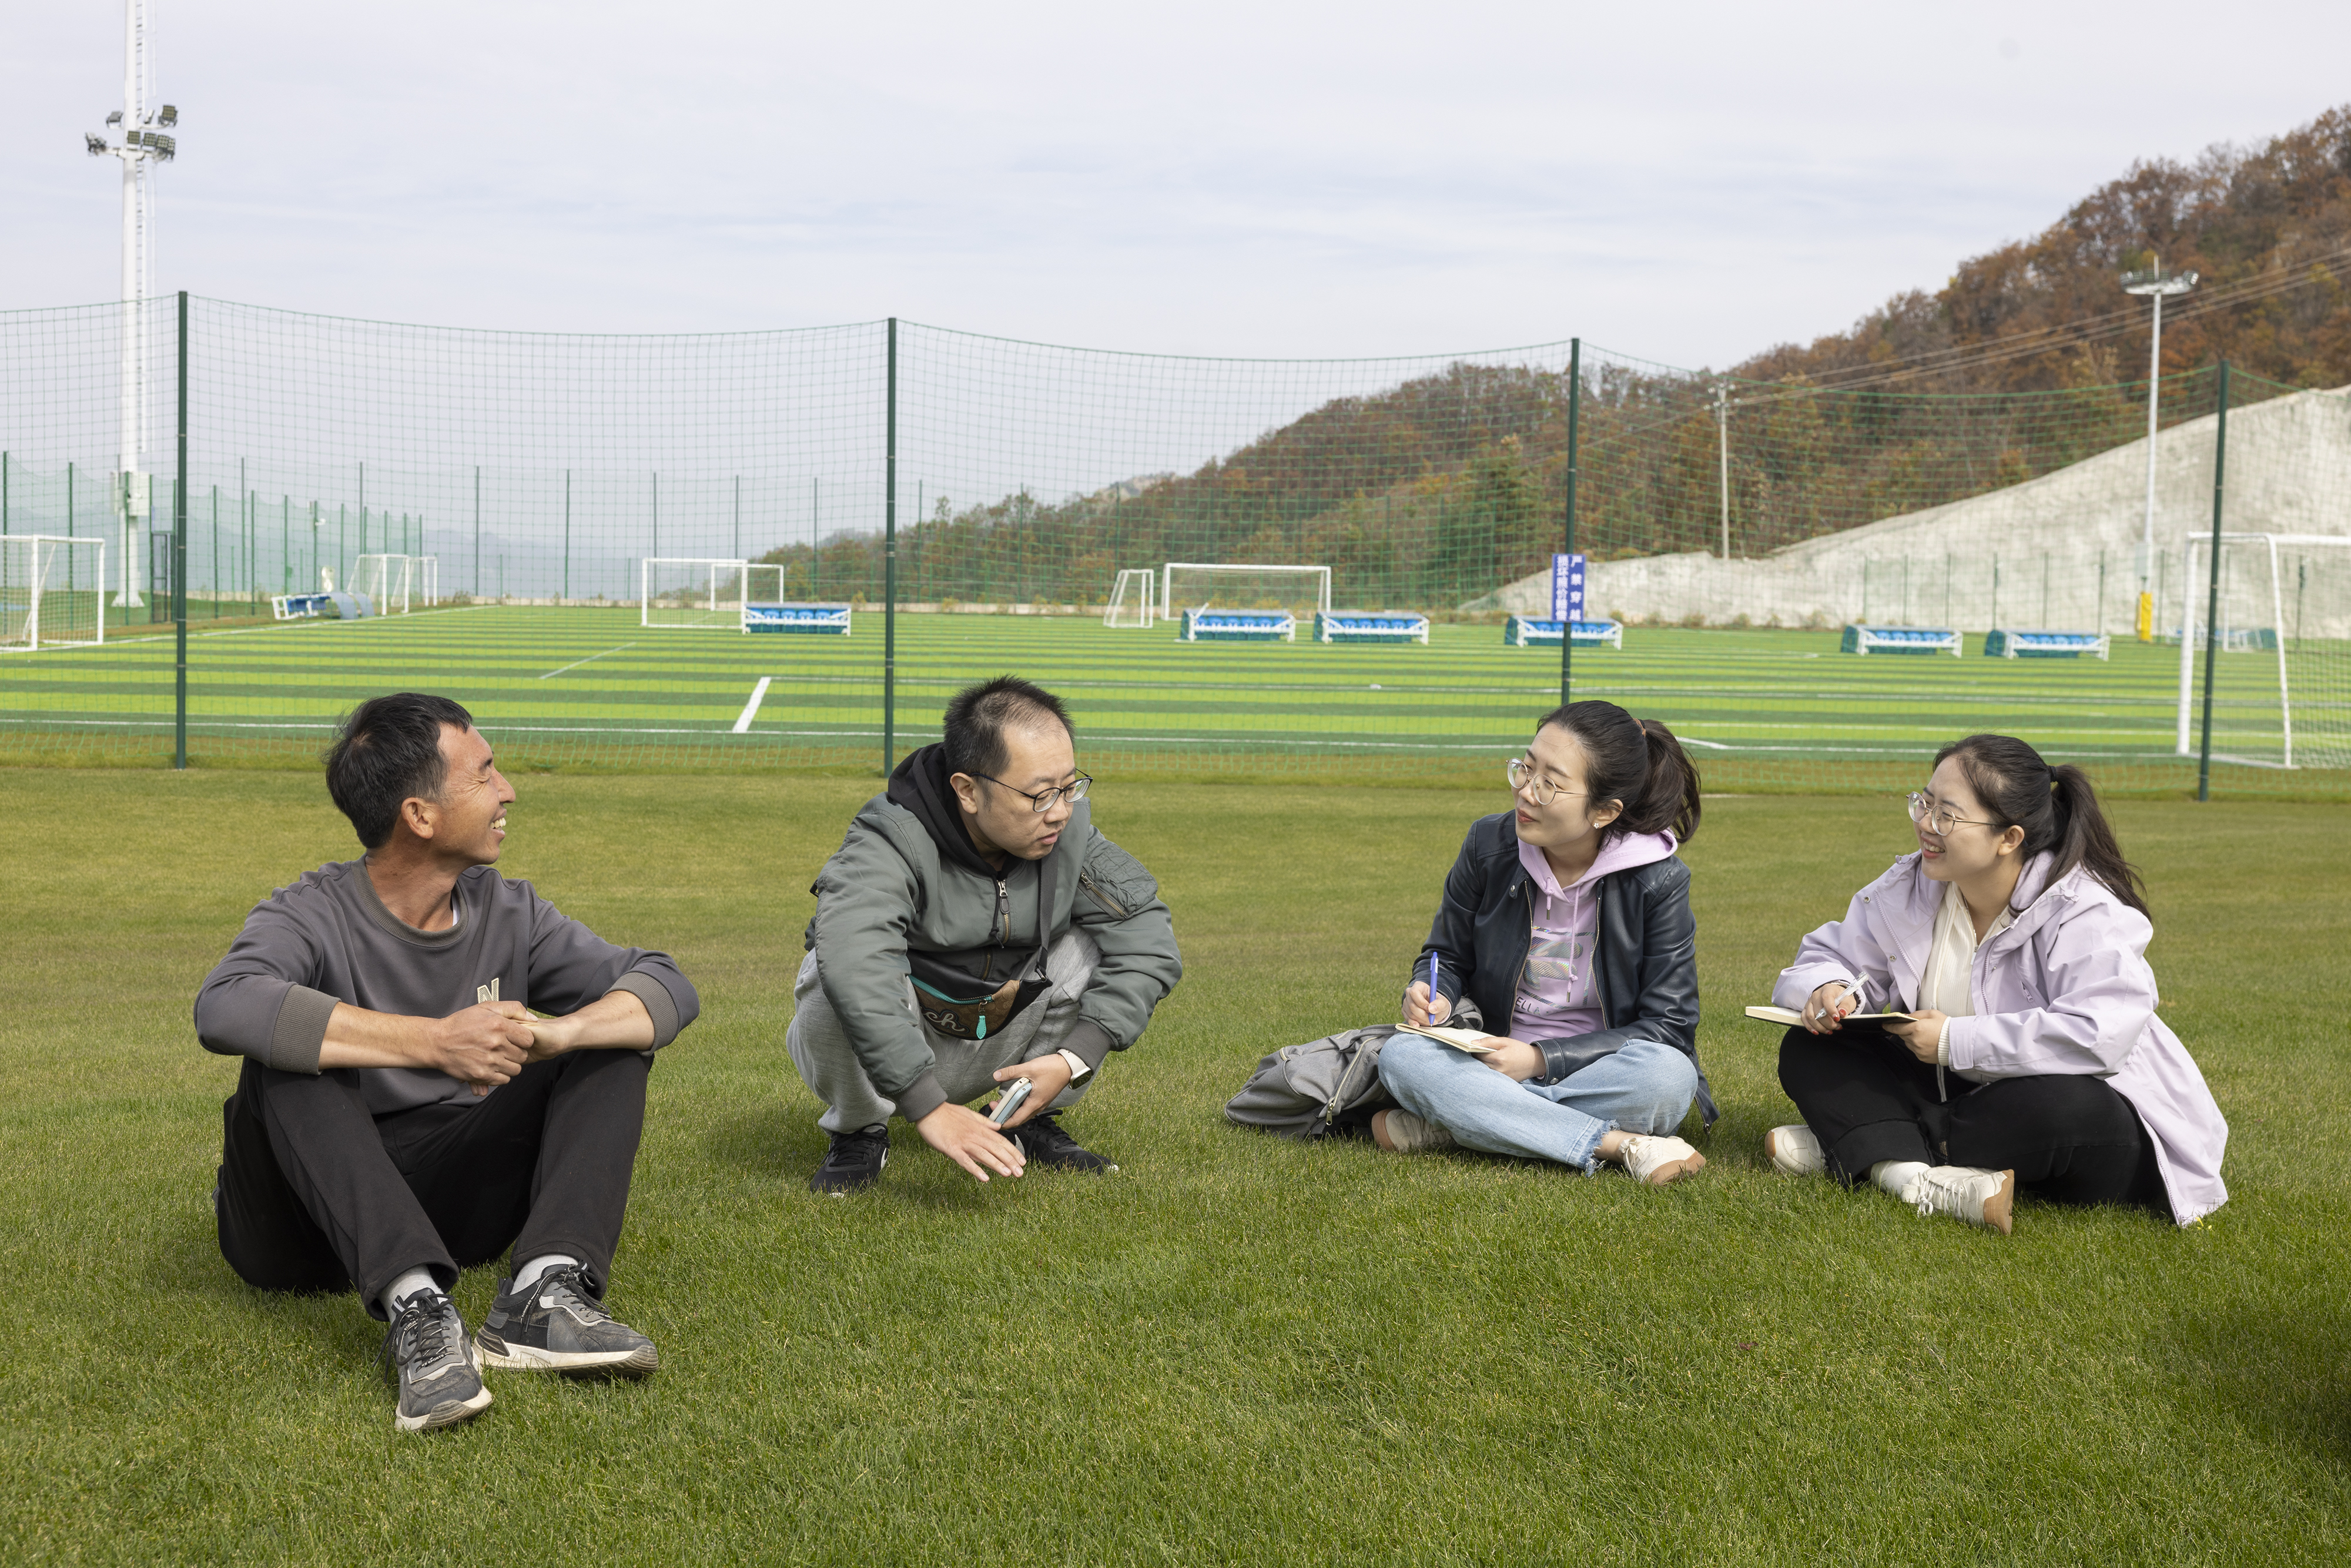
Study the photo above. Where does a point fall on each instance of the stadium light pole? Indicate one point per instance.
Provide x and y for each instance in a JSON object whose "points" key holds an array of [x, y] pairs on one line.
{"points": [[2159, 285], [142, 146]]}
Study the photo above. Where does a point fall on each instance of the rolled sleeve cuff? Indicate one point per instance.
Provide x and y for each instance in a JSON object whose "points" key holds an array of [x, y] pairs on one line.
{"points": [[1089, 1043], [658, 1003], [300, 1031], [921, 1097]]}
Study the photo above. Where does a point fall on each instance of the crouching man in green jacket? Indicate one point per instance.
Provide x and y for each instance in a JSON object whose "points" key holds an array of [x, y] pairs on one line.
{"points": [[973, 929]]}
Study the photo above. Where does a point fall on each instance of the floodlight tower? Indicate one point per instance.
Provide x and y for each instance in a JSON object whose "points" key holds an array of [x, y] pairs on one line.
{"points": [[142, 146], [2159, 285]]}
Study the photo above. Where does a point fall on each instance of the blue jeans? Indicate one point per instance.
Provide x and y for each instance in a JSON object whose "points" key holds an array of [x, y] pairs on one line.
{"points": [[1644, 1088]]}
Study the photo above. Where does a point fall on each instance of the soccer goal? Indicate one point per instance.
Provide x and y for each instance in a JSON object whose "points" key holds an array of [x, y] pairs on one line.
{"points": [[396, 584], [2279, 649], [1302, 592], [678, 591], [1130, 600], [51, 593]]}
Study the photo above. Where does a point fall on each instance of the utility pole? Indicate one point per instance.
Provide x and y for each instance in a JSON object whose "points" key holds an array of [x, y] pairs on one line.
{"points": [[2159, 285], [1722, 455], [142, 147]]}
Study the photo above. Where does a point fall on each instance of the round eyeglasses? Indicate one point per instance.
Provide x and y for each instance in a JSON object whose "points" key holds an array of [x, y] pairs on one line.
{"points": [[1935, 818], [1522, 776], [1046, 799]]}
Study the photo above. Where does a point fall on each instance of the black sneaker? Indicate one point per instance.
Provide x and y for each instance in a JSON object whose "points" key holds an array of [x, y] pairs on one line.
{"points": [[854, 1161], [559, 1325], [1043, 1141], [440, 1382]]}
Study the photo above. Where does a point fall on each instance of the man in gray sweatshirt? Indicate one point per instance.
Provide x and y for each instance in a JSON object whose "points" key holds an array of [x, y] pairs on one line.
{"points": [[438, 1066], [973, 929]]}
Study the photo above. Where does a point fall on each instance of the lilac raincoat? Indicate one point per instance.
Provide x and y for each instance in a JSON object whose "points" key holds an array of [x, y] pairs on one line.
{"points": [[2066, 989]]}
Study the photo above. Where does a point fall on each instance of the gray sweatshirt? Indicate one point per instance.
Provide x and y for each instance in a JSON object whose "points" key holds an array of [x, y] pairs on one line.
{"points": [[329, 939]]}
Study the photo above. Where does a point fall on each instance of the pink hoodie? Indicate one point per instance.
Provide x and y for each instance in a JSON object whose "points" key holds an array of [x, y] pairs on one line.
{"points": [[1557, 1000], [2066, 989]]}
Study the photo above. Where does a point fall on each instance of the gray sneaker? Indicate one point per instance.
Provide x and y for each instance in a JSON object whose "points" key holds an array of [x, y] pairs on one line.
{"points": [[559, 1325], [440, 1382]]}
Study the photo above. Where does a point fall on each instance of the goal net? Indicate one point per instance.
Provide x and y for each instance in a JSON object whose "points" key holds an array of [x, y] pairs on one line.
{"points": [[396, 584], [679, 591], [51, 593], [1130, 600], [1303, 590], [2279, 649]]}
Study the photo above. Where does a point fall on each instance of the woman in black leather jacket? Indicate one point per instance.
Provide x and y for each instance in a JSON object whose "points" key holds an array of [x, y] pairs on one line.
{"points": [[1568, 921]]}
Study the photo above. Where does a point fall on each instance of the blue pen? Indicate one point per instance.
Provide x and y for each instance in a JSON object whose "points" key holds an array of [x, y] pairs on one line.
{"points": [[1434, 971]]}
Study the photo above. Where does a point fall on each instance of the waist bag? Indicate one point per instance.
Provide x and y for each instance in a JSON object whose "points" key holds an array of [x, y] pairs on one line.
{"points": [[964, 1006]]}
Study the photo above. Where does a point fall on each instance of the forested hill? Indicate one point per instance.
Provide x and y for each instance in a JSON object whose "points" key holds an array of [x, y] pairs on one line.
{"points": [[1441, 489], [2268, 228]]}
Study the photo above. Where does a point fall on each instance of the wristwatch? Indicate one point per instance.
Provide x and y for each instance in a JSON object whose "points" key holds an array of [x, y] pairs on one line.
{"points": [[1079, 1067]]}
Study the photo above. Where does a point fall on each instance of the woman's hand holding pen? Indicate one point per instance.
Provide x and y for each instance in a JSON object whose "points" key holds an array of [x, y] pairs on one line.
{"points": [[1418, 1010]]}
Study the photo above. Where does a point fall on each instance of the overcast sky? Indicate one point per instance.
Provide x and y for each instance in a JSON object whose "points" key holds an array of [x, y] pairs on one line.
{"points": [[1688, 183]]}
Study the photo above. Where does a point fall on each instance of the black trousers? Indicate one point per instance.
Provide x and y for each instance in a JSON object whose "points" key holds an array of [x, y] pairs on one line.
{"points": [[2068, 1137], [315, 1194]]}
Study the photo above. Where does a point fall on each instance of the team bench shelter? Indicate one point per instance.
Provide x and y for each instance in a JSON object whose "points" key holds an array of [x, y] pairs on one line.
{"points": [[1860, 639], [825, 618], [2008, 643], [1366, 626], [335, 606], [1527, 631], [1240, 626]]}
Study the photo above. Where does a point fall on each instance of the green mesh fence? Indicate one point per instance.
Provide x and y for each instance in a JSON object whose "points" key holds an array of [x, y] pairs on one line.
{"points": [[673, 552]]}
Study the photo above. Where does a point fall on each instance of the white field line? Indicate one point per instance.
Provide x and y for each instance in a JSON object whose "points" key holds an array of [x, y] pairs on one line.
{"points": [[589, 660], [751, 709]]}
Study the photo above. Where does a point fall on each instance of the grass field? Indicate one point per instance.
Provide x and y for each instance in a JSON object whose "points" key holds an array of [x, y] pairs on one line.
{"points": [[571, 685], [1234, 1349]]}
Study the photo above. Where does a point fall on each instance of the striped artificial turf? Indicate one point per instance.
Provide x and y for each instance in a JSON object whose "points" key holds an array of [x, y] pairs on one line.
{"points": [[595, 683]]}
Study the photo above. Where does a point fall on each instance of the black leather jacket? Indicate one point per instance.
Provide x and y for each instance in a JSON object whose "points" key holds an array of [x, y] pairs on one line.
{"points": [[1648, 969]]}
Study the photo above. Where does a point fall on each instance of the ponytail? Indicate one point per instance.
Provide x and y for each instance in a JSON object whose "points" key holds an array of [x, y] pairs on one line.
{"points": [[2056, 808], [1636, 762]]}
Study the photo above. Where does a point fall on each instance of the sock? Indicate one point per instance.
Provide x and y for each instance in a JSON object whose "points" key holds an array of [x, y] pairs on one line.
{"points": [[1894, 1175], [408, 1284], [528, 1275]]}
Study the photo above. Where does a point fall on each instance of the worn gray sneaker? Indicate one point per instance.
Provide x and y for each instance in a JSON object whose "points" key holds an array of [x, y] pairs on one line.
{"points": [[440, 1382], [1401, 1132], [559, 1325]]}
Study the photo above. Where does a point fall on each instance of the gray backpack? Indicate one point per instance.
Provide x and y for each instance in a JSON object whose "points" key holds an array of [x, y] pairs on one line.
{"points": [[1307, 1090], [1304, 1090]]}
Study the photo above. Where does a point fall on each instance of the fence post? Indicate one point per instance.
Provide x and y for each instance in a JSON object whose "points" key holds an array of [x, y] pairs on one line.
{"points": [[2212, 605], [889, 562], [567, 546], [180, 562], [1574, 409]]}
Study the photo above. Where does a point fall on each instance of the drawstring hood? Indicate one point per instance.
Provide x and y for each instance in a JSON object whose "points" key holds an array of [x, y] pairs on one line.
{"points": [[920, 784]]}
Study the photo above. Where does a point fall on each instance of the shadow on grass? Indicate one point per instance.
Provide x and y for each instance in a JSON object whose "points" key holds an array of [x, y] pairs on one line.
{"points": [[185, 1263], [2279, 1372]]}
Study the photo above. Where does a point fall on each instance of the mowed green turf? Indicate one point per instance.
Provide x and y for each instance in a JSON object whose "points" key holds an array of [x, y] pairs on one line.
{"points": [[574, 679], [1236, 1349]]}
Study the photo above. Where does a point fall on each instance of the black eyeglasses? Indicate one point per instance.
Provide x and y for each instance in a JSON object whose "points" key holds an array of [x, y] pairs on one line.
{"points": [[1045, 800]]}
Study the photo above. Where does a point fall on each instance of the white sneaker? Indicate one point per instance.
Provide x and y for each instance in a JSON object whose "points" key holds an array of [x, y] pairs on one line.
{"points": [[1655, 1161], [1402, 1133], [1795, 1150], [1965, 1192]]}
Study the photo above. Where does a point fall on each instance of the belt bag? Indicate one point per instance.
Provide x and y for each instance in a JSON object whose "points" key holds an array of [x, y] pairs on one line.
{"points": [[964, 1006]]}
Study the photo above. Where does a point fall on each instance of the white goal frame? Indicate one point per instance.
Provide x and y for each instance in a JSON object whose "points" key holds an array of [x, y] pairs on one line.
{"points": [[2195, 597], [715, 572], [396, 584], [1168, 606], [1143, 582], [29, 573]]}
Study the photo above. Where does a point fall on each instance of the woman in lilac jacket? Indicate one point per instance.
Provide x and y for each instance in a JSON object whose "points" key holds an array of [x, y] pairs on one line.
{"points": [[2016, 937]]}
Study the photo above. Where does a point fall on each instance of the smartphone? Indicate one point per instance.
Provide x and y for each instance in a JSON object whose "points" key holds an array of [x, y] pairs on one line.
{"points": [[1008, 1101]]}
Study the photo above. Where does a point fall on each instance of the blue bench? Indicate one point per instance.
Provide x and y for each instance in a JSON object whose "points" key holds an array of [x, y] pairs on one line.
{"points": [[1240, 626], [823, 618], [2008, 642], [1860, 639], [1362, 626], [1529, 631], [297, 606]]}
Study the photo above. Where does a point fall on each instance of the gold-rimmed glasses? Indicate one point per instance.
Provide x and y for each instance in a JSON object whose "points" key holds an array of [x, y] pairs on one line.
{"points": [[1935, 817], [1522, 776]]}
